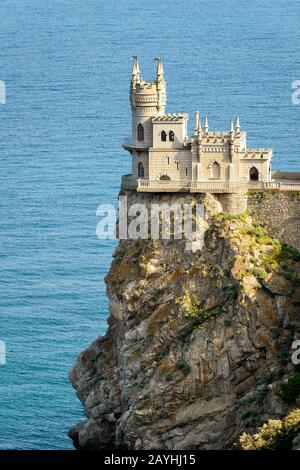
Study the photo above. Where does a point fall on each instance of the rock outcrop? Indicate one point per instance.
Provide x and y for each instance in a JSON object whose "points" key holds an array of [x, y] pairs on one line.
{"points": [[198, 344]]}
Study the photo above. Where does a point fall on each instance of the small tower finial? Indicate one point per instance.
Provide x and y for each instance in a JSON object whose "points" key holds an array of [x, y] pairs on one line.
{"points": [[237, 125], [160, 68], [135, 69], [206, 125], [231, 132], [138, 72], [134, 60], [196, 127]]}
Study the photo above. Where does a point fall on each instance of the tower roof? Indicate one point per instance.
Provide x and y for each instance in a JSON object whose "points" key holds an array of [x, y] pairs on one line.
{"points": [[160, 68], [206, 124], [135, 69], [237, 124]]}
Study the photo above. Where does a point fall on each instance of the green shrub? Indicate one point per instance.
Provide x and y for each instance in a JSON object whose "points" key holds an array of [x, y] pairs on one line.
{"points": [[290, 390], [190, 305], [188, 329], [210, 313], [257, 397], [291, 252], [260, 273], [183, 366], [276, 434], [249, 412], [169, 377], [252, 422], [271, 377]]}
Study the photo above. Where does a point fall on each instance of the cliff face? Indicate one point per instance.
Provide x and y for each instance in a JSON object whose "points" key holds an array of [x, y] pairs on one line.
{"points": [[198, 344]]}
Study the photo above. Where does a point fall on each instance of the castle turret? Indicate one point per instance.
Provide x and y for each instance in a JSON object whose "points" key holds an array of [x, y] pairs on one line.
{"points": [[231, 132], [237, 125], [161, 87], [197, 123], [135, 78], [148, 99], [206, 125]]}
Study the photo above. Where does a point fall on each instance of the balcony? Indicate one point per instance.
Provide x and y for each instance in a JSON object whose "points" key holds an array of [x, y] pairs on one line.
{"points": [[127, 144], [169, 186], [128, 182], [164, 186]]}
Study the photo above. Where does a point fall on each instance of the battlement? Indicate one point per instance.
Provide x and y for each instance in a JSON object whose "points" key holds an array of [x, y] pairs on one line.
{"points": [[220, 137], [251, 153], [174, 117]]}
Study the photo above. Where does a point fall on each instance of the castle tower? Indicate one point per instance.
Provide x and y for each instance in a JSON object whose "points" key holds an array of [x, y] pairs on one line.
{"points": [[147, 99]]}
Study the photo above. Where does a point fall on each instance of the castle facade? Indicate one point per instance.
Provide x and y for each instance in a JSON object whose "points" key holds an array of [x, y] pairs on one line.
{"points": [[165, 156]]}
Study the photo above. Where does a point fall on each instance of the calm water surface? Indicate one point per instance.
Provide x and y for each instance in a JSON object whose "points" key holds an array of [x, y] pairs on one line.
{"points": [[66, 67]]}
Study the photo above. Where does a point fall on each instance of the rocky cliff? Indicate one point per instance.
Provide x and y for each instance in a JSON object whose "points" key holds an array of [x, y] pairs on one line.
{"points": [[198, 348]]}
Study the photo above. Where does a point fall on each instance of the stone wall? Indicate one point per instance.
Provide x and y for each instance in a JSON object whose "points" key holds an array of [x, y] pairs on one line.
{"points": [[234, 204], [281, 212]]}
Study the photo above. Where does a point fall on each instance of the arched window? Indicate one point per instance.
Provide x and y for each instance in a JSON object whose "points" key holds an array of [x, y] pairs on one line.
{"points": [[141, 171], [171, 136], [253, 173], [165, 178], [140, 133], [163, 136], [215, 170]]}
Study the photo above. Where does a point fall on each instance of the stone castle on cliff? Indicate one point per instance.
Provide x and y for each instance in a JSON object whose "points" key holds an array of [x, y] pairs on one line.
{"points": [[166, 159]]}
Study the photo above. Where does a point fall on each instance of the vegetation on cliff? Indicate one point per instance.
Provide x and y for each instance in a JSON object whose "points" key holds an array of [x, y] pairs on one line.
{"points": [[276, 434], [199, 344]]}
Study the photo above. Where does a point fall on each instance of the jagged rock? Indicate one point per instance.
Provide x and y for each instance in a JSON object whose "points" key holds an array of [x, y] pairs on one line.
{"points": [[192, 340], [277, 284]]}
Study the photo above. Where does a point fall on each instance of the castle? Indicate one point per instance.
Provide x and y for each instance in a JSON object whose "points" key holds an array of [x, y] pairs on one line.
{"points": [[166, 158]]}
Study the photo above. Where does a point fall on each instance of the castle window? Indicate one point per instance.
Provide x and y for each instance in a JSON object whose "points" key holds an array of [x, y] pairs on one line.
{"points": [[253, 174], [186, 171], [215, 170], [168, 161], [141, 171], [163, 136], [165, 178], [171, 136], [177, 165], [140, 133]]}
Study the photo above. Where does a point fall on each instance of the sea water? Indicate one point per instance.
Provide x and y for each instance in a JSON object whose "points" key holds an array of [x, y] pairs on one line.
{"points": [[66, 66]]}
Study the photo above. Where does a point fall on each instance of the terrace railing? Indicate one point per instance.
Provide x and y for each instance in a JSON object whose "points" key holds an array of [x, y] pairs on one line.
{"points": [[143, 185]]}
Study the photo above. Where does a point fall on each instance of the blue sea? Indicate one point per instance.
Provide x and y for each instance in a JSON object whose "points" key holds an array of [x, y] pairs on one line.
{"points": [[66, 65]]}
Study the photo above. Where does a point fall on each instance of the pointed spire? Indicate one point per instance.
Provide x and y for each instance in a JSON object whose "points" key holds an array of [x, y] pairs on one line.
{"points": [[231, 126], [237, 125], [160, 68], [138, 72], [196, 127], [135, 69], [134, 60], [206, 125]]}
